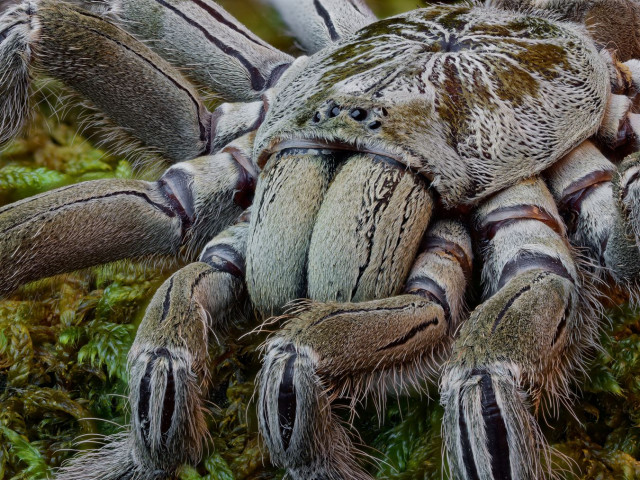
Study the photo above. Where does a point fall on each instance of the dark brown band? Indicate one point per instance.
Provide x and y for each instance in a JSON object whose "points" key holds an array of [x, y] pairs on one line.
{"points": [[224, 258], [573, 196], [507, 215], [175, 185], [436, 245], [426, 287], [533, 261]]}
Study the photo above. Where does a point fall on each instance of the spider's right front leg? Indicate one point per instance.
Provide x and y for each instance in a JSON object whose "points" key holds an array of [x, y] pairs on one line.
{"points": [[168, 368]]}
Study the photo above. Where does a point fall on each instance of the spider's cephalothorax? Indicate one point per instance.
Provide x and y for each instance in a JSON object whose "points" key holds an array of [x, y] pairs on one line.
{"points": [[379, 164]]}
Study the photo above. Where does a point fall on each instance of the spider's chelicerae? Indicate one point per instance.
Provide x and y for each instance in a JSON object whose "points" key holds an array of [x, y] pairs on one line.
{"points": [[362, 178]]}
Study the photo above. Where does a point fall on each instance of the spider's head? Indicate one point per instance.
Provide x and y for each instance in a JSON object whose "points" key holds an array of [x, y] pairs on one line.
{"points": [[365, 93], [469, 97]]}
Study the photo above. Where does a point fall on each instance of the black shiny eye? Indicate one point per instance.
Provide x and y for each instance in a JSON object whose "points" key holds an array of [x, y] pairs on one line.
{"points": [[375, 125], [316, 117], [334, 112], [358, 114]]}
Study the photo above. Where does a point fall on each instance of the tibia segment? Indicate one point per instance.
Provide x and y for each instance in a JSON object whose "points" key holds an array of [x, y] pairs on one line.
{"points": [[524, 340], [538, 312], [318, 23], [105, 220], [168, 369], [341, 350], [219, 52], [139, 92]]}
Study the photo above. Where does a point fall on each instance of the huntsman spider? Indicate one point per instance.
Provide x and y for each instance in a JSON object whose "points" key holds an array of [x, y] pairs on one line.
{"points": [[349, 195]]}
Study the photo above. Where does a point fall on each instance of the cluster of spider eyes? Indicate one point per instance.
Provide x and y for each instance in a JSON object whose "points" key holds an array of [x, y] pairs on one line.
{"points": [[358, 114]]}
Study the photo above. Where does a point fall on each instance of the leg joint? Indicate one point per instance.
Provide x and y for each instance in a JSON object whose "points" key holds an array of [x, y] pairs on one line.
{"points": [[529, 260], [500, 217], [175, 185], [224, 258]]}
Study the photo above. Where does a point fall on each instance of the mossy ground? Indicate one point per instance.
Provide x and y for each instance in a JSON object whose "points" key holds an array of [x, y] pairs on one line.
{"points": [[64, 341]]}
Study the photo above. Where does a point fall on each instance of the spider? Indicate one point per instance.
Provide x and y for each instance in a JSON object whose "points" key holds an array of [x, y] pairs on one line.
{"points": [[343, 195]]}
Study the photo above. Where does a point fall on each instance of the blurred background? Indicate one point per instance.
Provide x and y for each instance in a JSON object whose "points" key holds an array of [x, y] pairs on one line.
{"points": [[64, 341]]}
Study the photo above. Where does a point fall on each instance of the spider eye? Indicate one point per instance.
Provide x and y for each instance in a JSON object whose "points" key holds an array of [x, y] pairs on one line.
{"points": [[358, 114], [316, 117], [375, 125], [334, 112]]}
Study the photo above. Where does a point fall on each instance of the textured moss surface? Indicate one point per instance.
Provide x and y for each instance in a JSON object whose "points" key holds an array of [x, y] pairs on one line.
{"points": [[63, 346]]}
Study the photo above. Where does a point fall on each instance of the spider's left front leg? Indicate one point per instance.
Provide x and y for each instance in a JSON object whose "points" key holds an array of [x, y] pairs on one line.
{"points": [[336, 350], [168, 368], [519, 345]]}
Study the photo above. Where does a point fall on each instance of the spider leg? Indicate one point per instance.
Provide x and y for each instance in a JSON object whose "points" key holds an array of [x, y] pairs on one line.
{"points": [[529, 334], [318, 23], [596, 197], [331, 350], [216, 50], [598, 206], [168, 368], [105, 220], [142, 96]]}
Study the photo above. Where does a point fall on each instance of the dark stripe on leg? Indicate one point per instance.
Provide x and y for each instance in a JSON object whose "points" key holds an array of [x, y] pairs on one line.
{"points": [[410, 334], [426, 287], [169, 402], [220, 18], [258, 82], [167, 301], [163, 208], [5, 33], [573, 195], [500, 217], [339, 313], [495, 430], [326, 18], [287, 403], [143, 403], [467, 453], [508, 306], [436, 245], [533, 261], [176, 187], [225, 258], [356, 6]]}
